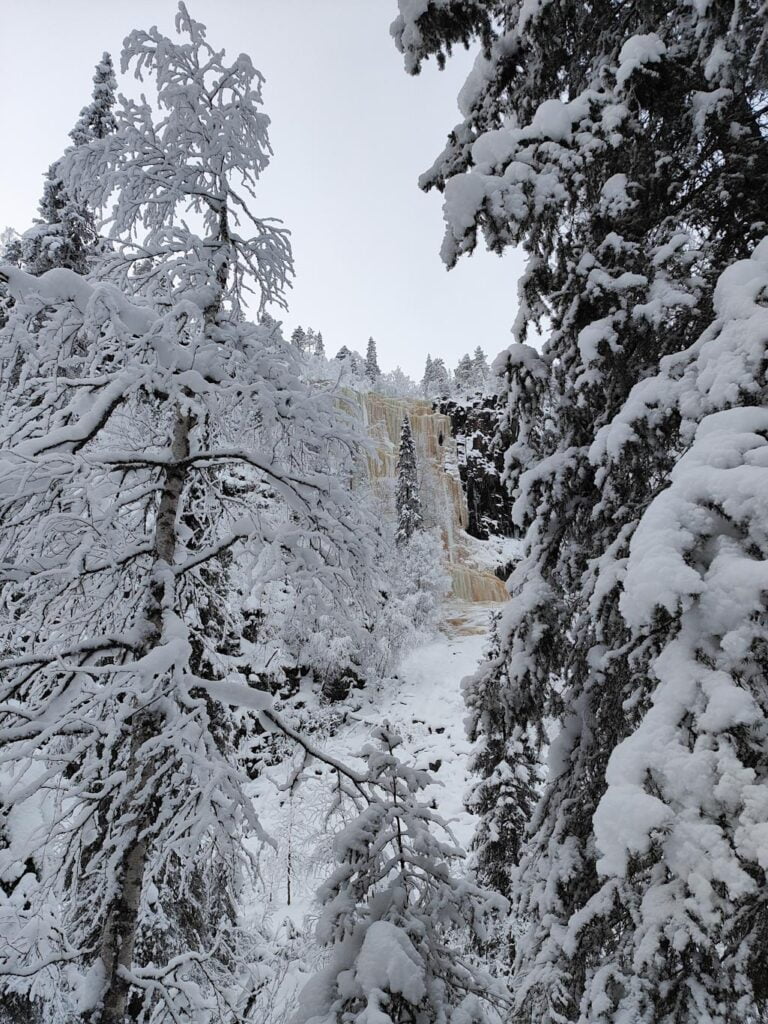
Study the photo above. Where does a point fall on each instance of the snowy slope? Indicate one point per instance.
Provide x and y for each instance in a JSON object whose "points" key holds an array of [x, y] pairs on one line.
{"points": [[424, 703]]}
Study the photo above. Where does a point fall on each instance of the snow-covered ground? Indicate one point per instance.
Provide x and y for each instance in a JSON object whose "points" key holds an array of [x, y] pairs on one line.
{"points": [[428, 710], [424, 703]]}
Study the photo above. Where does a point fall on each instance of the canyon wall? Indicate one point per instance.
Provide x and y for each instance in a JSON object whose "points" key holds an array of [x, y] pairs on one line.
{"points": [[443, 499]]}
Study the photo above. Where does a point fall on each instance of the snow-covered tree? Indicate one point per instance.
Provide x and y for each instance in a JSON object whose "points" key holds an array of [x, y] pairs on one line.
{"points": [[441, 378], [480, 369], [463, 377], [128, 493], [436, 382], [352, 365], [319, 345], [64, 234], [504, 758], [397, 384], [471, 374], [393, 913], [420, 582], [687, 865], [407, 500], [10, 246], [97, 119], [10, 252], [624, 147], [299, 339], [426, 380], [372, 370]]}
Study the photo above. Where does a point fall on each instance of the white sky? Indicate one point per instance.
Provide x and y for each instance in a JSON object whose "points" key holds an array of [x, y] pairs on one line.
{"points": [[351, 133]]}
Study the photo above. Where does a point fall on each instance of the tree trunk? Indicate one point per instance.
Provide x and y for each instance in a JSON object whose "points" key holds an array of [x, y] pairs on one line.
{"points": [[119, 935]]}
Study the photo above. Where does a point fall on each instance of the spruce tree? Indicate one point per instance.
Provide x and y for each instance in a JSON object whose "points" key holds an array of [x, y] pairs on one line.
{"points": [[319, 345], [97, 120], [504, 758], [463, 377], [372, 371], [299, 339], [426, 380], [436, 382], [10, 252], [480, 369], [64, 234], [624, 147], [393, 910], [407, 500], [440, 379]]}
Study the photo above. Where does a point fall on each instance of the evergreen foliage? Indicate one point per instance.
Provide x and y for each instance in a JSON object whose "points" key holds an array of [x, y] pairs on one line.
{"points": [[407, 500], [97, 119], [10, 252], [392, 909], [436, 382], [471, 375], [299, 339], [372, 371], [480, 368], [463, 377], [624, 147], [64, 234], [504, 758], [427, 375]]}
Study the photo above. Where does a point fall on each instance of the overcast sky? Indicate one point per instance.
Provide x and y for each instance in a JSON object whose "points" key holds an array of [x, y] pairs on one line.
{"points": [[351, 133]]}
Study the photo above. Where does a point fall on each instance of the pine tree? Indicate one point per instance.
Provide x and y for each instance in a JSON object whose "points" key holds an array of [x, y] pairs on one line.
{"points": [[319, 345], [407, 500], [440, 379], [97, 119], [125, 491], [624, 149], [299, 339], [349, 360], [64, 234], [463, 378], [392, 911], [10, 252], [372, 371], [505, 759], [480, 369], [436, 382], [426, 380]]}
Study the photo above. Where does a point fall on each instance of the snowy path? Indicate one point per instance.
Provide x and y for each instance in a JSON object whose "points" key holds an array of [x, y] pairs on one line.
{"points": [[424, 703], [428, 709]]}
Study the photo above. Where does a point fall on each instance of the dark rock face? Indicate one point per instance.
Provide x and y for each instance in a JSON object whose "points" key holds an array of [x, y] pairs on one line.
{"points": [[475, 424]]}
